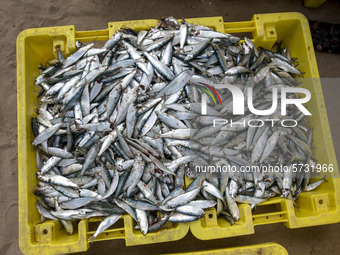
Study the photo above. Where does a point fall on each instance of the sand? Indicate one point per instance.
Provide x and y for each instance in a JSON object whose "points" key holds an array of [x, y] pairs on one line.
{"points": [[18, 15]]}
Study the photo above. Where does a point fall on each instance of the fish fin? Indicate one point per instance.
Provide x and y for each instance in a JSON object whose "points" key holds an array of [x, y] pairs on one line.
{"points": [[77, 125], [296, 206], [91, 239]]}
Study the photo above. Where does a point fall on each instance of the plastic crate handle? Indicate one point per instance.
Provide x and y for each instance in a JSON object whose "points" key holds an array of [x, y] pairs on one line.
{"points": [[86, 36]]}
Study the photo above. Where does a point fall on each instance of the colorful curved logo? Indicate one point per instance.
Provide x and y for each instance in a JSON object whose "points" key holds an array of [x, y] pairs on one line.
{"points": [[210, 94]]}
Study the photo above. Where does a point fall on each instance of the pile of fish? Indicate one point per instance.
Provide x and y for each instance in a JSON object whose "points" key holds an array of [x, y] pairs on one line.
{"points": [[117, 128]]}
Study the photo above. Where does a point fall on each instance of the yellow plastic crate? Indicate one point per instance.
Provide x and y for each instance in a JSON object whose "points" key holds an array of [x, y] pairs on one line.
{"points": [[263, 249], [313, 3], [35, 46]]}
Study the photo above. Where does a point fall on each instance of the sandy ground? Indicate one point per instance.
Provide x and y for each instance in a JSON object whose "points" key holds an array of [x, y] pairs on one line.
{"points": [[18, 15]]}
